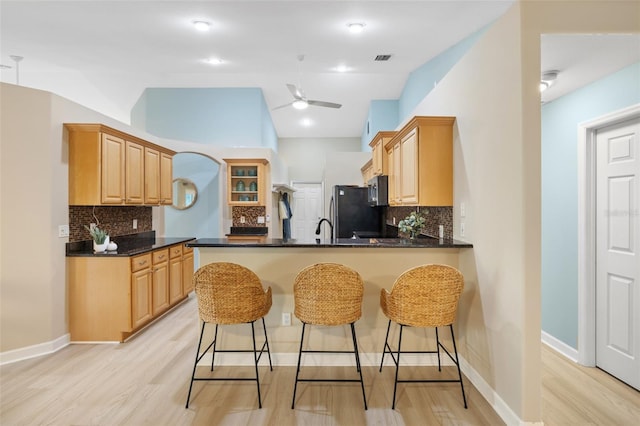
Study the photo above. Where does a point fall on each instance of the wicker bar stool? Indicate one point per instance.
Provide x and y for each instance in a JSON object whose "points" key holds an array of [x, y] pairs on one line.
{"points": [[328, 294], [228, 293], [424, 296]]}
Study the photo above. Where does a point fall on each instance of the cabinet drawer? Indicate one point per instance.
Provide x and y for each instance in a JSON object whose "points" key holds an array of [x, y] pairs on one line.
{"points": [[175, 251], [160, 256], [140, 262], [187, 250]]}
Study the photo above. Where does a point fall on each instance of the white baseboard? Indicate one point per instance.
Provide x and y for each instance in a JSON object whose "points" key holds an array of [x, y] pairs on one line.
{"points": [[560, 346], [40, 349]]}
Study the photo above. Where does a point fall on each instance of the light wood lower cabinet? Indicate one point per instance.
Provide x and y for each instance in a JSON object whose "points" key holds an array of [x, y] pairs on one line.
{"points": [[141, 290], [111, 298], [160, 274], [187, 270]]}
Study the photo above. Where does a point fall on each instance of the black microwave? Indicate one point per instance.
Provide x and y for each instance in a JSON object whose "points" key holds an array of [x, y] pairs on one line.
{"points": [[378, 191]]}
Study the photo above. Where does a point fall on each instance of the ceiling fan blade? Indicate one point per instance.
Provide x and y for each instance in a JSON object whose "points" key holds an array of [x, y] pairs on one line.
{"points": [[324, 104], [297, 93], [282, 106]]}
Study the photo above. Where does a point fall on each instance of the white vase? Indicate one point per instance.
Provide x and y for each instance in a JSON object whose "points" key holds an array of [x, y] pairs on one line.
{"points": [[101, 248]]}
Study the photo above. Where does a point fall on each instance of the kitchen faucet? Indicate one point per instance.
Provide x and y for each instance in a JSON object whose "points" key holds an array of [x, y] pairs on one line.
{"points": [[324, 219]]}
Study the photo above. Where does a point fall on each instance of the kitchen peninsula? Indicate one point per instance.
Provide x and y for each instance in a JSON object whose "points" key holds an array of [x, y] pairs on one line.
{"points": [[379, 262]]}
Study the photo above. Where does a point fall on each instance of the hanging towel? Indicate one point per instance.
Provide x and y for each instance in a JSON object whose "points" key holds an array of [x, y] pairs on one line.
{"points": [[282, 210]]}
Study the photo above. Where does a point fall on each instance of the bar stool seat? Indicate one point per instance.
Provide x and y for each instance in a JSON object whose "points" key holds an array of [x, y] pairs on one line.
{"points": [[424, 296], [229, 293], [328, 294]]}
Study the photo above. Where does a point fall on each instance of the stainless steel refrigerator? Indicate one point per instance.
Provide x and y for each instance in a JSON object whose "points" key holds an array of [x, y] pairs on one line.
{"points": [[352, 213]]}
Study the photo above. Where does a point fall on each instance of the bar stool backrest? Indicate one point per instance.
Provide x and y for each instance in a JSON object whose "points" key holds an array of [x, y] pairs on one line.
{"points": [[424, 296], [229, 293], [328, 294]]}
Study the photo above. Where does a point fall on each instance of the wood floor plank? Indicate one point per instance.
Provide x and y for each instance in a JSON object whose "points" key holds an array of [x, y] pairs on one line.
{"points": [[145, 382]]}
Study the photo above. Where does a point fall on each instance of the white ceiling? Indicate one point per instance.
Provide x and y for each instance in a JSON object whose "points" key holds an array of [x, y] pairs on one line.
{"points": [[122, 47]]}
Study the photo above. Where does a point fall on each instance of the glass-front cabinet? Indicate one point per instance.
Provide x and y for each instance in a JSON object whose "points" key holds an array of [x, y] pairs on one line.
{"points": [[246, 182]]}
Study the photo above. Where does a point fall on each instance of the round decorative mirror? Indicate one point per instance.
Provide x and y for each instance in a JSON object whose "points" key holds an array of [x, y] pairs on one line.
{"points": [[185, 193]]}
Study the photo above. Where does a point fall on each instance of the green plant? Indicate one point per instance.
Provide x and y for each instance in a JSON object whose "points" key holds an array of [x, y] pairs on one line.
{"points": [[98, 235], [412, 224]]}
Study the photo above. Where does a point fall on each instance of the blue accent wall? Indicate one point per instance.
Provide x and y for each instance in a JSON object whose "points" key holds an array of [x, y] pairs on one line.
{"points": [[560, 120], [383, 115], [421, 81], [226, 117], [202, 220]]}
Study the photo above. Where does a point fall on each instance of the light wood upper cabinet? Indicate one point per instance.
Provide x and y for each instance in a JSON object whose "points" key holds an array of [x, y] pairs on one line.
{"points": [[151, 176], [379, 157], [166, 179], [409, 175], [367, 171], [421, 154], [108, 167], [246, 182], [134, 173], [112, 167]]}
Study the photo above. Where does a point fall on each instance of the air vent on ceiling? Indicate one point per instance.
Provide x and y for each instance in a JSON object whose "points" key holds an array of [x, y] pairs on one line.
{"points": [[383, 57]]}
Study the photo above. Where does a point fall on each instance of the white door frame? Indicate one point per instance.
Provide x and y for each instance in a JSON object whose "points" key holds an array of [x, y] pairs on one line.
{"points": [[587, 229]]}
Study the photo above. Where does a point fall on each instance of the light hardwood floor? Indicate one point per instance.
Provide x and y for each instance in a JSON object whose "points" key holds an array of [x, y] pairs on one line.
{"points": [[145, 382]]}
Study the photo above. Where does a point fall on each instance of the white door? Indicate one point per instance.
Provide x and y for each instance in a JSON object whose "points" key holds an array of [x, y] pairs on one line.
{"points": [[617, 246], [307, 211]]}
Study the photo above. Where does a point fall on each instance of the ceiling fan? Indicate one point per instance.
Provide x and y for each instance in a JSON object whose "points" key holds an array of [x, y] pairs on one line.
{"points": [[300, 99]]}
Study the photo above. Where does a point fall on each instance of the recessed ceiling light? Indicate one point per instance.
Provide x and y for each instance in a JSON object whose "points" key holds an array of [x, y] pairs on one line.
{"points": [[214, 61], [342, 68], [202, 25], [300, 104], [306, 122], [356, 27]]}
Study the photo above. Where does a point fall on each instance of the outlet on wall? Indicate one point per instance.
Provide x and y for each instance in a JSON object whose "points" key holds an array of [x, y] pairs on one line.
{"points": [[63, 231], [242, 219], [286, 318], [135, 223]]}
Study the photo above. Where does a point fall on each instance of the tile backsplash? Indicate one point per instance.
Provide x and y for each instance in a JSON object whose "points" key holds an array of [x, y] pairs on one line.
{"points": [[250, 214], [434, 216], [117, 220]]}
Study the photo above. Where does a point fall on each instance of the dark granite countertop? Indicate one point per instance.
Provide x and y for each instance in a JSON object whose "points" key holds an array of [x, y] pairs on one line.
{"points": [[128, 245], [340, 242]]}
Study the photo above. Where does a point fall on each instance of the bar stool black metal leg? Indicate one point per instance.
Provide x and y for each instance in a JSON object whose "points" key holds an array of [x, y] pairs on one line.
{"points": [[215, 340], [395, 383], [255, 359], [195, 364], [438, 349], [384, 348], [295, 386], [267, 341], [356, 352], [455, 350]]}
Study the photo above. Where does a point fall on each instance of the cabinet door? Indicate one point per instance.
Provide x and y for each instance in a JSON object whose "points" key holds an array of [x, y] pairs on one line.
{"points": [[175, 279], [409, 168], [245, 183], [166, 179], [140, 297], [187, 271], [134, 174], [160, 293], [151, 176], [113, 169], [377, 158], [397, 179]]}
